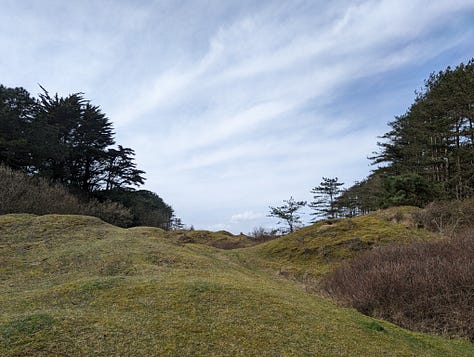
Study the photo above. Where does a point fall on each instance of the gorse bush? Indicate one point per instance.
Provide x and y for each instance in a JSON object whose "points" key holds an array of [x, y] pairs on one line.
{"points": [[22, 194], [426, 286]]}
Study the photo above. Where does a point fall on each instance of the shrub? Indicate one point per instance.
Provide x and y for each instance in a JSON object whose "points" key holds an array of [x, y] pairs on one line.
{"points": [[447, 217], [22, 194], [261, 234], [426, 286]]}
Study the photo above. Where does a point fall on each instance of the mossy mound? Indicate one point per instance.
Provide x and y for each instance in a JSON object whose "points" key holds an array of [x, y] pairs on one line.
{"points": [[312, 251], [94, 289], [220, 239]]}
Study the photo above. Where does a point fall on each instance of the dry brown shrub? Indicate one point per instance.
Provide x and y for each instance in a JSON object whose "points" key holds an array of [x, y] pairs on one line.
{"points": [[426, 286], [261, 234], [447, 217], [20, 193]]}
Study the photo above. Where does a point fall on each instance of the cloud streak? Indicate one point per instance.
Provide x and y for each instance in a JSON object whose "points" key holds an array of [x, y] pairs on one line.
{"points": [[238, 105]]}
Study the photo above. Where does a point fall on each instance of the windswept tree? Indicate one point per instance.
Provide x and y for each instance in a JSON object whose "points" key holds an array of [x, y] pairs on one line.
{"points": [[78, 152], [121, 171], [325, 195], [288, 213]]}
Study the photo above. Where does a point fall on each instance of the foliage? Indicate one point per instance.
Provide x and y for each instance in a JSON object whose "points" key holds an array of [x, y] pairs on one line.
{"points": [[22, 194], [69, 141], [17, 110], [146, 207], [425, 286], [261, 234], [447, 217], [325, 196], [288, 213], [65, 139], [428, 153], [408, 190], [435, 137], [363, 197]]}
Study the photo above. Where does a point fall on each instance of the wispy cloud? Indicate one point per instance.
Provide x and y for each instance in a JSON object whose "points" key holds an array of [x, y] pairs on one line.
{"points": [[235, 106], [246, 216]]}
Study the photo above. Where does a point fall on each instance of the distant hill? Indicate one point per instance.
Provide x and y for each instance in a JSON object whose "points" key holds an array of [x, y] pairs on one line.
{"points": [[76, 286]]}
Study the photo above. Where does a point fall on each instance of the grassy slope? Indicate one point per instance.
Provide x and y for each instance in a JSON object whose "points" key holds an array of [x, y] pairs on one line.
{"points": [[73, 285], [312, 251]]}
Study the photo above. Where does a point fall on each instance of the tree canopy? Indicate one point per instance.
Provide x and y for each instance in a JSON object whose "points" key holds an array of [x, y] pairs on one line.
{"points": [[70, 141], [428, 153]]}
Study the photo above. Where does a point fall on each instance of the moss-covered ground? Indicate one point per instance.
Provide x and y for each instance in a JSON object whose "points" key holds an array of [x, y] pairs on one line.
{"points": [[75, 286], [312, 251]]}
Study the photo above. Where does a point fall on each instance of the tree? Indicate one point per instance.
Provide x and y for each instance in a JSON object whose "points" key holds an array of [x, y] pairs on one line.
{"points": [[325, 196], [408, 190], [146, 207], [435, 137], [69, 141], [362, 197], [288, 212], [176, 224], [17, 111], [121, 171]]}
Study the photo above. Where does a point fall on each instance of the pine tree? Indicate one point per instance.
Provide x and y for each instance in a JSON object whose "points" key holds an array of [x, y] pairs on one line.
{"points": [[288, 213], [325, 196]]}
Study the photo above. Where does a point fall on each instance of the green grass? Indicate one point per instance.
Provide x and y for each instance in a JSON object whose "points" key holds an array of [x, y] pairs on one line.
{"points": [[75, 286], [310, 252]]}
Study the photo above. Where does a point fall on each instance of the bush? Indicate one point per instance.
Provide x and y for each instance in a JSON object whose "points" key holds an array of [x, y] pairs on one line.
{"points": [[426, 286], [447, 217], [146, 207], [261, 234], [22, 194]]}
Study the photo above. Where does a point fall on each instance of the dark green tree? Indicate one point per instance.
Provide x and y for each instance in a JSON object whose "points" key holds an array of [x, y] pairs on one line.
{"points": [[288, 213], [435, 137], [89, 148], [120, 170], [325, 195], [146, 207], [408, 190], [17, 111]]}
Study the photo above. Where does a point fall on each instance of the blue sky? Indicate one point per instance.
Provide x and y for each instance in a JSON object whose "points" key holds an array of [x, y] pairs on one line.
{"points": [[232, 106]]}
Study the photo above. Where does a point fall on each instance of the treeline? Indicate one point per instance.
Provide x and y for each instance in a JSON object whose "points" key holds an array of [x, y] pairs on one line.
{"points": [[69, 141], [428, 155]]}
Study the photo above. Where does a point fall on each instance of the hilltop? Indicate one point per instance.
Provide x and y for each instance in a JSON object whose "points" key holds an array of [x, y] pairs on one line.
{"points": [[308, 253], [74, 285]]}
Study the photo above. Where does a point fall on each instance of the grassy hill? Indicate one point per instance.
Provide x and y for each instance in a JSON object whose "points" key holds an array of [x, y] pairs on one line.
{"points": [[310, 252], [76, 286]]}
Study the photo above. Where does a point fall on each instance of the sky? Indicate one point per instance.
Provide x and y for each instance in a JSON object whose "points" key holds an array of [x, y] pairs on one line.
{"points": [[234, 106]]}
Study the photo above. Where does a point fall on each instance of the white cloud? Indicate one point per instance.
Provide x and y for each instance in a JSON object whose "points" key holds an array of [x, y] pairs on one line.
{"points": [[246, 216]]}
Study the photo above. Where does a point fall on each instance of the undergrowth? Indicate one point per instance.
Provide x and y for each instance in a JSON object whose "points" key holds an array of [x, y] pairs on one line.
{"points": [[22, 194], [425, 286]]}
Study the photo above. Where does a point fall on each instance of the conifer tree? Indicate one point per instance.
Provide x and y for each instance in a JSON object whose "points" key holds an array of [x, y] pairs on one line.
{"points": [[325, 195], [288, 213]]}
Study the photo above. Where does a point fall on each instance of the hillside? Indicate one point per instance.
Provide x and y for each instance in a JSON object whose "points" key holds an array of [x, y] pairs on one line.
{"points": [[312, 251], [74, 285]]}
